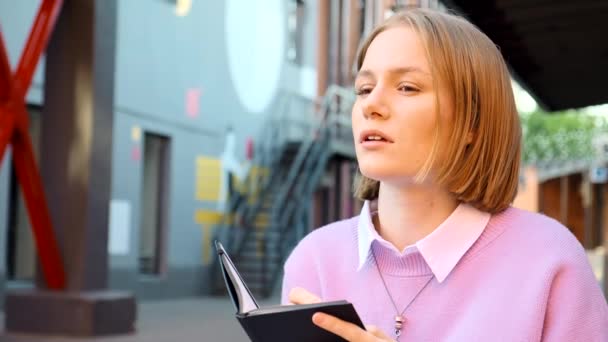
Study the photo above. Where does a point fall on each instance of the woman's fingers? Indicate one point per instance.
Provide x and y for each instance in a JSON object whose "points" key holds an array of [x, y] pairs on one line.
{"points": [[346, 330], [372, 329], [298, 295], [349, 331]]}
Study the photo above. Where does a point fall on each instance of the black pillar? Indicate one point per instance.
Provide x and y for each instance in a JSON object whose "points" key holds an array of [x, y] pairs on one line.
{"points": [[76, 159]]}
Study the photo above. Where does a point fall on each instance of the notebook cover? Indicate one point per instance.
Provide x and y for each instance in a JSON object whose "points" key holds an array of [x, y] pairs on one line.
{"points": [[296, 325]]}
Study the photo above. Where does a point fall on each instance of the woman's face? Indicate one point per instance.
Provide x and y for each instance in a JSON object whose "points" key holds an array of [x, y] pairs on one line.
{"points": [[394, 116]]}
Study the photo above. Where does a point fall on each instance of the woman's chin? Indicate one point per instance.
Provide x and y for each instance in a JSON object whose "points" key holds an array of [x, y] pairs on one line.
{"points": [[384, 174]]}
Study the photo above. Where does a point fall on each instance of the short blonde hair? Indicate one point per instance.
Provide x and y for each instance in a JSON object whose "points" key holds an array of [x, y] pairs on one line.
{"points": [[484, 172]]}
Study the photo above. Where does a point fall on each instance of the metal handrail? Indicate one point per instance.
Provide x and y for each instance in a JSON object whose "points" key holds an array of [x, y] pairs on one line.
{"points": [[316, 154], [237, 203], [309, 161]]}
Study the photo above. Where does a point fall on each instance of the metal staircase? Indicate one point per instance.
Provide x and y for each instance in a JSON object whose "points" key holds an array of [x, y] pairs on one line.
{"points": [[263, 225]]}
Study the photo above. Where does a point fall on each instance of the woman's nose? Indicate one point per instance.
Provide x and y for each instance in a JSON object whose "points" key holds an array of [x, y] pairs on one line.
{"points": [[374, 105]]}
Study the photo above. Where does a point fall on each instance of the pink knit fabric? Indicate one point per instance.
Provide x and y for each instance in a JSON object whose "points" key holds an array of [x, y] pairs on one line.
{"points": [[525, 278]]}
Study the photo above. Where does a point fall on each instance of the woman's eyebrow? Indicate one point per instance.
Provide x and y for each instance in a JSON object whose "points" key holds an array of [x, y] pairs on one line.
{"points": [[397, 71]]}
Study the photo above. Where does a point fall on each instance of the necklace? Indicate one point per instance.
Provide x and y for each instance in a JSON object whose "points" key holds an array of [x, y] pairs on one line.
{"points": [[399, 319]]}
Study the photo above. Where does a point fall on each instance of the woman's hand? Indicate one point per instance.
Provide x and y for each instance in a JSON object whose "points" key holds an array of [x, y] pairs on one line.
{"points": [[346, 330], [298, 295], [349, 331]]}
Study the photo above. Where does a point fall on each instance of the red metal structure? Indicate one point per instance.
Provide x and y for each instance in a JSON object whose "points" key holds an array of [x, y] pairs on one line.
{"points": [[14, 125]]}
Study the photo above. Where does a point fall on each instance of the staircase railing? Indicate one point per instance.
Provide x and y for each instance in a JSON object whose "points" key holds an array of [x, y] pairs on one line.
{"points": [[292, 223], [293, 186], [281, 127], [296, 194], [266, 148], [238, 209]]}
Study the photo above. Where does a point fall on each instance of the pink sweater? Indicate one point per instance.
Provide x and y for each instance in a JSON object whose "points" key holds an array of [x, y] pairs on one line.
{"points": [[514, 276]]}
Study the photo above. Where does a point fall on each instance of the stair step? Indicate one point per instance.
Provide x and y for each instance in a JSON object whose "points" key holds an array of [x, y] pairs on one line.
{"points": [[249, 274], [250, 254], [256, 260], [258, 236], [263, 233], [261, 223], [259, 247], [254, 255], [258, 275], [267, 205]]}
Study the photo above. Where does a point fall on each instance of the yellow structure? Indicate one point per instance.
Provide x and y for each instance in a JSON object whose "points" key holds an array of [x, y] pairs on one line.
{"points": [[208, 178]]}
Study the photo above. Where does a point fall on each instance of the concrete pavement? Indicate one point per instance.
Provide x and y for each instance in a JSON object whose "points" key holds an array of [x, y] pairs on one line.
{"points": [[205, 319]]}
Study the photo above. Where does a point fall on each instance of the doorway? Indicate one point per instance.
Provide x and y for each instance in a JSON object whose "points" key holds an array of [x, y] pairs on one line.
{"points": [[20, 247], [154, 205]]}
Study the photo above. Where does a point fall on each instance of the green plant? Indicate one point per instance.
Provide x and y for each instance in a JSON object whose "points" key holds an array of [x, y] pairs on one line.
{"points": [[559, 137]]}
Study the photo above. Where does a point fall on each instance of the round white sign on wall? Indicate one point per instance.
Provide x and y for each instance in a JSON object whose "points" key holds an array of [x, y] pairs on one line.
{"points": [[255, 40]]}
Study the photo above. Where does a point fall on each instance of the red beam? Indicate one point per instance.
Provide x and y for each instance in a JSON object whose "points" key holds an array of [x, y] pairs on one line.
{"points": [[7, 125], [7, 119], [33, 191], [5, 74], [36, 43], [14, 129]]}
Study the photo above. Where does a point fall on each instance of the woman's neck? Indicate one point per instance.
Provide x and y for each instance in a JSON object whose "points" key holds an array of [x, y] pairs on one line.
{"points": [[408, 214]]}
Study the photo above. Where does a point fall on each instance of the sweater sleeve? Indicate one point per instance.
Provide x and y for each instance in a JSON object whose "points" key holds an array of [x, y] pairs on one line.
{"points": [[576, 308], [300, 270]]}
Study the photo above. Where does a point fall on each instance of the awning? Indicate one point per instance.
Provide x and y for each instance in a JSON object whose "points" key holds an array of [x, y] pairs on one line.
{"points": [[556, 49]]}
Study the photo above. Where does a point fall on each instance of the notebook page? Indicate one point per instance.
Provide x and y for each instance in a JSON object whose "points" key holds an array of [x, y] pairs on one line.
{"points": [[246, 302]]}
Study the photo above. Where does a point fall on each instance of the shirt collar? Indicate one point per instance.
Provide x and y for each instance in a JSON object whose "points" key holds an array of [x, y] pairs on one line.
{"points": [[441, 249]]}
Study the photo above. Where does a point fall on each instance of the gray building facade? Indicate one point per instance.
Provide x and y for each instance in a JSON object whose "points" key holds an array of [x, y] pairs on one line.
{"points": [[185, 73]]}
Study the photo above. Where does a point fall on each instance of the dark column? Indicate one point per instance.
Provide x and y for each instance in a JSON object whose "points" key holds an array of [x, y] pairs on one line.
{"points": [[76, 156]]}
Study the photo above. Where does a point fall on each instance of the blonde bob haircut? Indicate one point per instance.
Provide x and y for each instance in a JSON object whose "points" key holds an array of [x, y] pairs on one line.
{"points": [[484, 171]]}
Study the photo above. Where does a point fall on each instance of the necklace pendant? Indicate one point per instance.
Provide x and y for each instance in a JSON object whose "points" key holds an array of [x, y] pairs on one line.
{"points": [[399, 320]]}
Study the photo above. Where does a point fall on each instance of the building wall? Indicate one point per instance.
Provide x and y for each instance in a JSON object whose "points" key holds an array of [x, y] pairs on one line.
{"points": [[16, 19], [576, 211], [187, 78], [550, 199]]}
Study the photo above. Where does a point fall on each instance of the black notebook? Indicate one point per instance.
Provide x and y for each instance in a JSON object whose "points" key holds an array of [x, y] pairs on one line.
{"points": [[279, 323]]}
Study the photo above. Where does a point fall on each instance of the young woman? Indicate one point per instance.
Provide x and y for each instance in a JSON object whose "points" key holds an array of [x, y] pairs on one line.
{"points": [[437, 253]]}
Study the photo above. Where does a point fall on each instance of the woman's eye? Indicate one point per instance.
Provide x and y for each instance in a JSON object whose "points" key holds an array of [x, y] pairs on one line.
{"points": [[407, 88], [363, 91]]}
